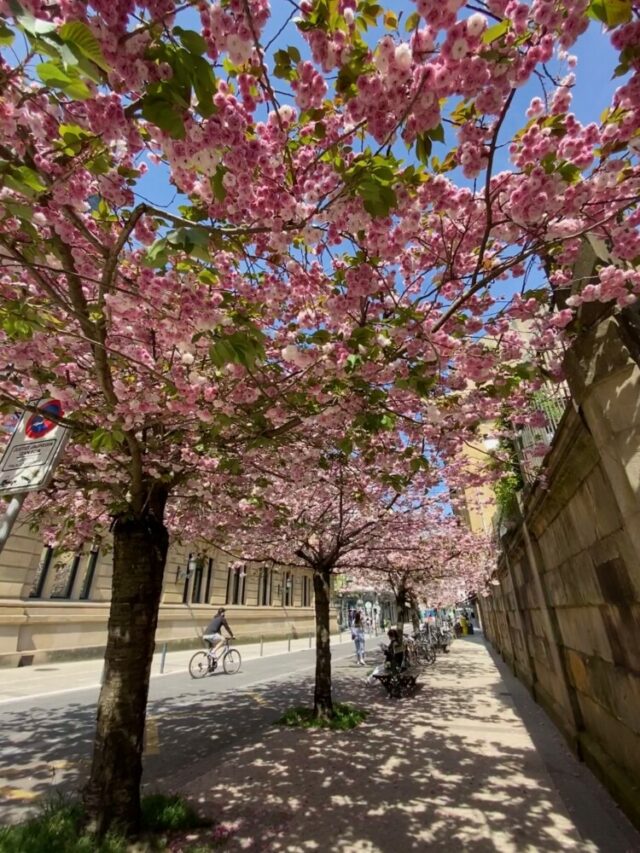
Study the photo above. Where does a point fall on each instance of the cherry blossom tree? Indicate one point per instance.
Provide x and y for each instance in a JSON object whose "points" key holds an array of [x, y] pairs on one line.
{"points": [[210, 232], [368, 513]]}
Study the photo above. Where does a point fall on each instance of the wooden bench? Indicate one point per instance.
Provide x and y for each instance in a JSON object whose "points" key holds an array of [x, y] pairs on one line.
{"points": [[398, 682]]}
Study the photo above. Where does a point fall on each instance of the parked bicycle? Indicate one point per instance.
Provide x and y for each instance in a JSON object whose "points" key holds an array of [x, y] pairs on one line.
{"points": [[207, 662], [424, 648]]}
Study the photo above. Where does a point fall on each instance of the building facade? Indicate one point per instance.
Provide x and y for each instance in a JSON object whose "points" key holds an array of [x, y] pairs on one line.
{"points": [[55, 605]]}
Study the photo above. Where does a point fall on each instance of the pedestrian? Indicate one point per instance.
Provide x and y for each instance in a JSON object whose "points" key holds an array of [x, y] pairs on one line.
{"points": [[357, 635]]}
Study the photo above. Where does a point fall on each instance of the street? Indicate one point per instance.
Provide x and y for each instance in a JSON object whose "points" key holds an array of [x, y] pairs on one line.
{"points": [[47, 741]]}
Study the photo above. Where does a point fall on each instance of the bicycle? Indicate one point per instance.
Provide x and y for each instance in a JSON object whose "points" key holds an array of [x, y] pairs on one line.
{"points": [[206, 662]]}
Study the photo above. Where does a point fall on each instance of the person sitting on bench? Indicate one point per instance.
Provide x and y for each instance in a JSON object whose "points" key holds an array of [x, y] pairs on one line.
{"points": [[394, 653]]}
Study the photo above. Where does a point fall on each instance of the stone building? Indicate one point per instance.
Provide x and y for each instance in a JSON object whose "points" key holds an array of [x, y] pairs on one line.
{"points": [[55, 605]]}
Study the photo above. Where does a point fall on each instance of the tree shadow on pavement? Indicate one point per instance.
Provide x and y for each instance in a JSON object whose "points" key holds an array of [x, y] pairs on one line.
{"points": [[451, 766]]}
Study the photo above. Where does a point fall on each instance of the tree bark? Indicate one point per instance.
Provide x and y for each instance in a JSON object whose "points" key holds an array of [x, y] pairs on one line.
{"points": [[401, 603], [112, 794], [415, 614], [322, 699]]}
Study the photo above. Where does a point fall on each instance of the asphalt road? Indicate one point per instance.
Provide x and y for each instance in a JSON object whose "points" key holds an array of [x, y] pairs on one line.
{"points": [[46, 742]]}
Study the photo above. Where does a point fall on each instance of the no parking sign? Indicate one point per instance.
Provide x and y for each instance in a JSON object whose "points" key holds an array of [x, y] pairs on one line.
{"points": [[34, 450]]}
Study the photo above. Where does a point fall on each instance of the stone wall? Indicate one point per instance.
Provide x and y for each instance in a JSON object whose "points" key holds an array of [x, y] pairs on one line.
{"points": [[564, 608]]}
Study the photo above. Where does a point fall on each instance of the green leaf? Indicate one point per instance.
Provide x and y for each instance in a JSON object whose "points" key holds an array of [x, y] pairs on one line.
{"points": [[104, 441], [391, 20], [79, 36], [204, 84], [193, 41], [437, 134], [378, 199], [294, 53], [346, 446], [25, 181], [31, 25], [157, 254], [611, 12], [496, 31], [570, 173], [412, 22], [165, 115], [55, 77], [217, 186], [6, 35], [423, 148]]}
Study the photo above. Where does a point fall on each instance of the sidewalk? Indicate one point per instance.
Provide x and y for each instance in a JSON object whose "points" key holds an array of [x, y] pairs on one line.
{"points": [[68, 676], [454, 767]]}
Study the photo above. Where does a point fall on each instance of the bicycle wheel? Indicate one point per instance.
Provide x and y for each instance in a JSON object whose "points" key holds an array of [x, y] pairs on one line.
{"points": [[199, 665], [231, 661]]}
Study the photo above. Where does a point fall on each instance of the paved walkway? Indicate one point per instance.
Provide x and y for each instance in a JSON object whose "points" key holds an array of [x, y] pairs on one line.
{"points": [[469, 763]]}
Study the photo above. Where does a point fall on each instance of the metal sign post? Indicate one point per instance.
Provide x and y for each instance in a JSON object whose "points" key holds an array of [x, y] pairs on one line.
{"points": [[36, 445]]}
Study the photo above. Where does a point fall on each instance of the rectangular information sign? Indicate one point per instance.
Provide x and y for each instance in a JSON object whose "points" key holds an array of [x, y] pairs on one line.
{"points": [[33, 451]]}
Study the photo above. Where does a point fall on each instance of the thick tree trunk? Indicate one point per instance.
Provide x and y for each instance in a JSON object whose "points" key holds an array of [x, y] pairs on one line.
{"points": [[415, 614], [112, 794], [401, 603], [322, 700]]}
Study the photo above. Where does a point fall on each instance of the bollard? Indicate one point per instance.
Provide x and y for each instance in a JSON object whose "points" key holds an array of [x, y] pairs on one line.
{"points": [[289, 643], [261, 645], [340, 634], [310, 636], [104, 666], [163, 657]]}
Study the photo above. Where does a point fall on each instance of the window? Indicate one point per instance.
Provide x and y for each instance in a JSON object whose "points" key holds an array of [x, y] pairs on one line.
{"points": [[196, 590], [264, 587], [57, 575], [64, 576], [287, 589], [41, 575], [89, 574], [235, 585], [306, 591], [187, 577], [207, 589]]}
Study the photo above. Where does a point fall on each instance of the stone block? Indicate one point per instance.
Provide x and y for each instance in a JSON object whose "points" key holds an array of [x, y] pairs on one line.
{"points": [[617, 739], [583, 630], [578, 668], [556, 590], [616, 398], [622, 624], [582, 511], [606, 517], [628, 550], [548, 544], [609, 447], [581, 581], [597, 352], [628, 446]]}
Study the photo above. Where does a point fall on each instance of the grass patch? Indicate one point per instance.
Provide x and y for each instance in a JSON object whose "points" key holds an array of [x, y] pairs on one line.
{"points": [[60, 828], [160, 813], [344, 717]]}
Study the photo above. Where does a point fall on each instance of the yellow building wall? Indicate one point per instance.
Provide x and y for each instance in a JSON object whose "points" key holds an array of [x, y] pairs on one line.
{"points": [[32, 628]]}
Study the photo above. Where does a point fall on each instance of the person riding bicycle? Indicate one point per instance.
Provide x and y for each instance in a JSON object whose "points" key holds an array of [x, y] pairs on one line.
{"points": [[212, 631]]}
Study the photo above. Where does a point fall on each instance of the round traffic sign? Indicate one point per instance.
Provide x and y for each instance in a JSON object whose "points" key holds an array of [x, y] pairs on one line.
{"points": [[38, 425]]}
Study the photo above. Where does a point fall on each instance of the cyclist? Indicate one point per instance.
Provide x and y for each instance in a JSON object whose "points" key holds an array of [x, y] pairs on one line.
{"points": [[212, 631]]}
